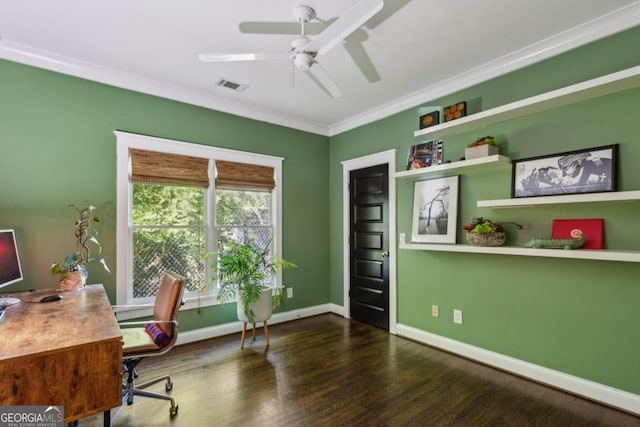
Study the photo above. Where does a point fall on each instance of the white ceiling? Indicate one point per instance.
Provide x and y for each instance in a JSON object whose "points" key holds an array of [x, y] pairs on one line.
{"points": [[418, 49]]}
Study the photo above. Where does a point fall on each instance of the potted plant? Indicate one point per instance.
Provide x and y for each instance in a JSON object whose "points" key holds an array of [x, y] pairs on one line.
{"points": [[72, 272], [242, 271], [484, 232]]}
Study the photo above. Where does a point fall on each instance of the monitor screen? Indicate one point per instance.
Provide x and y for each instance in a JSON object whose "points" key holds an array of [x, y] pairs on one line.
{"points": [[10, 271]]}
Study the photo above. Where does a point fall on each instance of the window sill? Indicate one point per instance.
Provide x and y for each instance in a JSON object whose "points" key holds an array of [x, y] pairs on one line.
{"points": [[128, 312]]}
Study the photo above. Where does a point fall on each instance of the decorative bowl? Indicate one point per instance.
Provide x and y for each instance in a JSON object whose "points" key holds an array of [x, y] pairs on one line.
{"points": [[496, 238]]}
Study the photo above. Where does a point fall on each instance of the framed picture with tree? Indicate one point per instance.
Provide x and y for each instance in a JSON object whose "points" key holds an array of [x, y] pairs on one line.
{"points": [[435, 210]]}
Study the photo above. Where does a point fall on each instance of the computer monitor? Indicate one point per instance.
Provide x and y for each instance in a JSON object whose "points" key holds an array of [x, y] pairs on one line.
{"points": [[10, 269]]}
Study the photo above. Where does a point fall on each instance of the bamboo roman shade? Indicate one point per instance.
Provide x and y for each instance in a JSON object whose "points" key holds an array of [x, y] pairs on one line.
{"points": [[243, 176], [151, 167]]}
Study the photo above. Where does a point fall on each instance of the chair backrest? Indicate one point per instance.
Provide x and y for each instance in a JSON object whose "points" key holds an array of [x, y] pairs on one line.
{"points": [[168, 302]]}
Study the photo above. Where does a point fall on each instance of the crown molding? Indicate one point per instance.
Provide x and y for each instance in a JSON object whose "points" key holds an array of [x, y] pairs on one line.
{"points": [[42, 59], [614, 22], [606, 25]]}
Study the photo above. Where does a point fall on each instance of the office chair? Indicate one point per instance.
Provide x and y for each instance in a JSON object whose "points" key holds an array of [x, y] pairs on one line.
{"points": [[153, 338]]}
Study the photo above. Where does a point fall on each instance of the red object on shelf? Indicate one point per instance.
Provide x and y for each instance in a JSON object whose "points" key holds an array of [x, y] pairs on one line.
{"points": [[591, 229]]}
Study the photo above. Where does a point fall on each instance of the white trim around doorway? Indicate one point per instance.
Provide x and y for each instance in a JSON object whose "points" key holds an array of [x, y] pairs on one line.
{"points": [[388, 157]]}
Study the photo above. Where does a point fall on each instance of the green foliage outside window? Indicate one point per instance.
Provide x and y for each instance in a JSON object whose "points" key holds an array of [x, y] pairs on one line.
{"points": [[169, 235], [169, 231]]}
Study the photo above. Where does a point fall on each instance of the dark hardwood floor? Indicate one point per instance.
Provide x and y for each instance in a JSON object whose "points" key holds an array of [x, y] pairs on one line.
{"points": [[330, 371]]}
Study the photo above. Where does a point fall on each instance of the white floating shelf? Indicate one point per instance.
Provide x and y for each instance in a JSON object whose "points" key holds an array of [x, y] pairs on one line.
{"points": [[605, 85], [590, 254], [450, 168], [614, 196], [601, 86]]}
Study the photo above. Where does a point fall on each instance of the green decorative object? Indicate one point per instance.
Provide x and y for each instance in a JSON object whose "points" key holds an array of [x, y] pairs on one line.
{"points": [[484, 232], [72, 272], [555, 243], [242, 270]]}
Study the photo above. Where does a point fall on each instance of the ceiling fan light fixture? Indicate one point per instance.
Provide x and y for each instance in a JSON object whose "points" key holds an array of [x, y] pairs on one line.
{"points": [[303, 51]]}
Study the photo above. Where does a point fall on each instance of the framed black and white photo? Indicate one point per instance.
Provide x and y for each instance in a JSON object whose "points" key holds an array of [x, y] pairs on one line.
{"points": [[435, 210], [590, 170]]}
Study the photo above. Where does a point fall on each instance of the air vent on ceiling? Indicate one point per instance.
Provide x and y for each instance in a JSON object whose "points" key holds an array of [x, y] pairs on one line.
{"points": [[238, 87]]}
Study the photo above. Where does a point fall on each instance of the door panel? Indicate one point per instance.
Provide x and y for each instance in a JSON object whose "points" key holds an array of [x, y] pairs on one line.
{"points": [[368, 213], [369, 270], [369, 246], [369, 241]]}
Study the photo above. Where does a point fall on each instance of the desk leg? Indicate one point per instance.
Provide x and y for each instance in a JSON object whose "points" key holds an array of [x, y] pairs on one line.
{"points": [[107, 418]]}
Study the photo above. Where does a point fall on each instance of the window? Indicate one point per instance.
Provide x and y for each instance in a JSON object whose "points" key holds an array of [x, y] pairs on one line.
{"points": [[178, 201], [168, 227], [243, 204]]}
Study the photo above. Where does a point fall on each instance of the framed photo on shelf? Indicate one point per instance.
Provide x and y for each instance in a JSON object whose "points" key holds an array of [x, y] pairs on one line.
{"points": [[592, 170], [435, 210], [424, 155], [429, 119], [455, 111]]}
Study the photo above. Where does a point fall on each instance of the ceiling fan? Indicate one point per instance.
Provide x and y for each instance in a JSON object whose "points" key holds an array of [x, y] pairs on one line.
{"points": [[304, 51]]}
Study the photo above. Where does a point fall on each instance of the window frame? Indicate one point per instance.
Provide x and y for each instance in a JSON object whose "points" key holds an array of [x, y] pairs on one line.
{"points": [[124, 199]]}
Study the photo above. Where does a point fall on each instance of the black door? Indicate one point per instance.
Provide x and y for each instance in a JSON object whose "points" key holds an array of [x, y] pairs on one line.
{"points": [[369, 243]]}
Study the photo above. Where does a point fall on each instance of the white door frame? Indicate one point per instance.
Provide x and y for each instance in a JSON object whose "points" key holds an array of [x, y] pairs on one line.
{"points": [[388, 157]]}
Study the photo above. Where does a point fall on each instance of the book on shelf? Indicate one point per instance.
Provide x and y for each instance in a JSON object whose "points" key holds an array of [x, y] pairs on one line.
{"points": [[425, 154], [591, 229]]}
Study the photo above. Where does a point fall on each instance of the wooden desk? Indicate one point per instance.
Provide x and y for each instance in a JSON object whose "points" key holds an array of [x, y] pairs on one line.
{"points": [[66, 352]]}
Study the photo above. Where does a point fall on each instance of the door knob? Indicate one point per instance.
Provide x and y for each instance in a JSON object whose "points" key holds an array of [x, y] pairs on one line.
{"points": [[385, 254]]}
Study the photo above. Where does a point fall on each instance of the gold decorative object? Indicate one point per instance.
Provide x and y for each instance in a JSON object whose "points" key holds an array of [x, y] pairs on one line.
{"points": [[455, 111], [74, 280]]}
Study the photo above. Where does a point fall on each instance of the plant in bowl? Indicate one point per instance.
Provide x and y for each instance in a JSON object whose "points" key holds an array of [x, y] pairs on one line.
{"points": [[72, 271], [485, 140], [243, 271], [484, 232]]}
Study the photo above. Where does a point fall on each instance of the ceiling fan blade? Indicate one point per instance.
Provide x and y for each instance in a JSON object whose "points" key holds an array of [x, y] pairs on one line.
{"points": [[322, 79], [292, 28], [227, 57], [353, 19], [359, 55], [390, 9]]}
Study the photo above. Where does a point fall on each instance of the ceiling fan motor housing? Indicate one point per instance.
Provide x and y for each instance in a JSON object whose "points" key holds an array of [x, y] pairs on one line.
{"points": [[303, 51], [301, 58], [303, 61]]}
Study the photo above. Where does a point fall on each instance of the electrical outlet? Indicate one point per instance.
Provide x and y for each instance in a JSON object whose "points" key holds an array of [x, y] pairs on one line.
{"points": [[435, 311], [289, 292], [457, 316]]}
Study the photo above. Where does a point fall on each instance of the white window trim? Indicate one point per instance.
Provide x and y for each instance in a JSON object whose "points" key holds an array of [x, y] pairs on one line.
{"points": [[126, 141]]}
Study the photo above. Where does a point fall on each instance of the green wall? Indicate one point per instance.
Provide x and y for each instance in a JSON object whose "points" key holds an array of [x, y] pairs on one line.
{"points": [[574, 316], [58, 148]]}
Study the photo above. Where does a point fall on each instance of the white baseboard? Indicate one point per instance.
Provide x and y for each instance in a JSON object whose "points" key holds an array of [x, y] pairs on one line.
{"points": [[234, 327], [621, 399], [607, 395], [338, 309]]}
